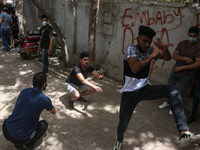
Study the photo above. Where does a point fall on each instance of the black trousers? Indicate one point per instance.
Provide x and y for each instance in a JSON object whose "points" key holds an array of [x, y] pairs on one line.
{"points": [[41, 129]]}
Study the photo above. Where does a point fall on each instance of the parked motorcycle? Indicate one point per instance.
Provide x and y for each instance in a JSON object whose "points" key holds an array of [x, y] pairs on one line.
{"points": [[27, 46]]}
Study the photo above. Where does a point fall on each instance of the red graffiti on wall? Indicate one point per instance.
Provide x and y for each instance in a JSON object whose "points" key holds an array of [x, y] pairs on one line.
{"points": [[163, 21], [161, 18], [198, 19]]}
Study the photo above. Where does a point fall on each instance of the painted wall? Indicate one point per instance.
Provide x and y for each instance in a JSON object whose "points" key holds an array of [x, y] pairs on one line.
{"points": [[117, 26]]}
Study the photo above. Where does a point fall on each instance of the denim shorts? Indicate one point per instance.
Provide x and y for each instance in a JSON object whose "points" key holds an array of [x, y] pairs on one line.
{"points": [[71, 87]]}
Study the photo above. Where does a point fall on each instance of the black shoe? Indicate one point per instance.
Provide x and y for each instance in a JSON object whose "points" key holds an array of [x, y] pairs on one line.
{"points": [[81, 99], [70, 104], [191, 120], [22, 147]]}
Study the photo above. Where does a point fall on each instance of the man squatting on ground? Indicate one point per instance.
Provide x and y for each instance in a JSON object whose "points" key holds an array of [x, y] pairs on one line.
{"points": [[137, 87], [76, 82], [23, 127]]}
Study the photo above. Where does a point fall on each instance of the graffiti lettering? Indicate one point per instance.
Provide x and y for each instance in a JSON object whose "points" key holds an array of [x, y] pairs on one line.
{"points": [[161, 18], [197, 19]]}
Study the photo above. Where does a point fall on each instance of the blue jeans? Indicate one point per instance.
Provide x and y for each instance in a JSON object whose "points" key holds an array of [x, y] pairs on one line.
{"points": [[5, 37], [130, 100], [181, 80], [41, 129], [196, 98], [45, 60]]}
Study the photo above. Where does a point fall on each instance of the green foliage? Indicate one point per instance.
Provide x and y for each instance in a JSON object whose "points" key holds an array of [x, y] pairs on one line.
{"points": [[56, 48]]}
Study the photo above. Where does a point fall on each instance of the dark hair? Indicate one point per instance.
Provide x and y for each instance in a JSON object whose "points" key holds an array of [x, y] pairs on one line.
{"points": [[13, 12], [39, 80], [193, 29], [44, 16], [5, 9], [84, 54], [146, 31]]}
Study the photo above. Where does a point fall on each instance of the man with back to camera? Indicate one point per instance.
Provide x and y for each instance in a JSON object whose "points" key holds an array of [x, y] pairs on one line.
{"points": [[23, 127], [76, 82], [46, 42], [5, 21], [137, 87], [187, 56]]}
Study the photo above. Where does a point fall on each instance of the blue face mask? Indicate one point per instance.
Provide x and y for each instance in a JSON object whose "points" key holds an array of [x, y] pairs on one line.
{"points": [[192, 39]]}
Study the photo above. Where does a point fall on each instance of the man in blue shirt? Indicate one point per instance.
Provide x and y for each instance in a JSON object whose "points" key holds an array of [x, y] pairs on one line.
{"points": [[23, 127], [5, 21]]}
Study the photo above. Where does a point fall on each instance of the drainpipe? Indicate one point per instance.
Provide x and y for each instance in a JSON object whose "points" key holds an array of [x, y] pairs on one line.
{"points": [[92, 28]]}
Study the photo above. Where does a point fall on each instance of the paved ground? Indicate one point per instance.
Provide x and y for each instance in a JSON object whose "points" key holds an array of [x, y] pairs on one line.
{"points": [[91, 126]]}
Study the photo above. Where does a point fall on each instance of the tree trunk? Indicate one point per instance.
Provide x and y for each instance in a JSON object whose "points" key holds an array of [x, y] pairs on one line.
{"points": [[92, 29]]}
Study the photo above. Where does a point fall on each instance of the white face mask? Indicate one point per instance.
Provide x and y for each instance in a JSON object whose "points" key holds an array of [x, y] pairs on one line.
{"points": [[44, 23]]}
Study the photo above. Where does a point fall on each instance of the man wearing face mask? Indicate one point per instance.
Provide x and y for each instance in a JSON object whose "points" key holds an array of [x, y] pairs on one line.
{"points": [[45, 43], [187, 56], [23, 127]]}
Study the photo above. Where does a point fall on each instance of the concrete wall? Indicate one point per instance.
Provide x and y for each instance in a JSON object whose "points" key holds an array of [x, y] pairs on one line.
{"points": [[170, 23], [117, 26]]}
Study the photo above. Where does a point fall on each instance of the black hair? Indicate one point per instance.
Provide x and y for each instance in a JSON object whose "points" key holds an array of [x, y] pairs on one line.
{"points": [[5, 9], [12, 11], [44, 16], [39, 79], [193, 29], [84, 54], [146, 31]]}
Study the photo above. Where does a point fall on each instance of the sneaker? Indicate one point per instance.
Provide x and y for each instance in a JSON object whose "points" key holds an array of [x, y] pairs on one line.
{"points": [[81, 99], [164, 105], [70, 104], [191, 120], [117, 145], [187, 137], [170, 112]]}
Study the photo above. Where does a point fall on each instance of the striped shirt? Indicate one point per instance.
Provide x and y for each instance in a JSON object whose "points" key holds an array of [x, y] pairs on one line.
{"points": [[186, 49]]}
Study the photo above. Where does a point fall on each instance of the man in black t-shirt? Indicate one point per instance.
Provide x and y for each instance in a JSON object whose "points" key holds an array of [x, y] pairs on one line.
{"points": [[45, 43], [76, 82]]}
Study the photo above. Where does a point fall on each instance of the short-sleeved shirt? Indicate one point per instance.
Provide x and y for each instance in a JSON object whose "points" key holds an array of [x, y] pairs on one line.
{"points": [[6, 20], [78, 69], [45, 31], [186, 49], [25, 116], [135, 81]]}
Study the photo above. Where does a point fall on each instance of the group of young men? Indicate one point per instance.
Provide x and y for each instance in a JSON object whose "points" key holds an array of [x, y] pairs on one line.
{"points": [[23, 127]]}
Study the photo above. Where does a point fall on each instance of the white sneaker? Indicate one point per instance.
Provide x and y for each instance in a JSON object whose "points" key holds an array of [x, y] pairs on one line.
{"points": [[164, 105], [3, 48], [187, 137], [170, 112], [117, 145]]}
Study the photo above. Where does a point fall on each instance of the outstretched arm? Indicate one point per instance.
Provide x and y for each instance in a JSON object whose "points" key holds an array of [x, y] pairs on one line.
{"points": [[97, 75], [53, 111], [84, 81]]}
